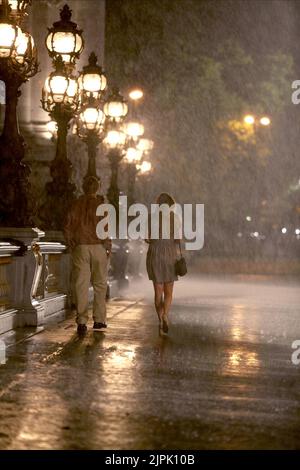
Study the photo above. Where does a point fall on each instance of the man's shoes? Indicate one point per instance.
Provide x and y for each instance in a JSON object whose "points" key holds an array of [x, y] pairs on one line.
{"points": [[81, 329], [99, 326]]}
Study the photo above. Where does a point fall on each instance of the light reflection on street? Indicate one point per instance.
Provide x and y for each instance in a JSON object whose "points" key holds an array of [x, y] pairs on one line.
{"points": [[240, 361], [121, 358]]}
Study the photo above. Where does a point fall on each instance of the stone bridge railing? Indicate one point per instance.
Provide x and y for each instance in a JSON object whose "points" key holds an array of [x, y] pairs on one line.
{"points": [[34, 278], [35, 275]]}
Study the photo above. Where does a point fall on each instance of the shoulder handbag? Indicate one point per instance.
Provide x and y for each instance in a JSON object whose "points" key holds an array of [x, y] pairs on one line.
{"points": [[180, 265]]}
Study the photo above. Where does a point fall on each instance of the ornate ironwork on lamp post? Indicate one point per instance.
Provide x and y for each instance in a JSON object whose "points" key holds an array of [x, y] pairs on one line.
{"points": [[18, 63], [90, 123], [64, 39], [60, 99], [115, 110]]}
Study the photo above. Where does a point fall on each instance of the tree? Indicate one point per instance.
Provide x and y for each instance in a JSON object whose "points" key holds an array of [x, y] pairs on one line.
{"points": [[200, 81]]}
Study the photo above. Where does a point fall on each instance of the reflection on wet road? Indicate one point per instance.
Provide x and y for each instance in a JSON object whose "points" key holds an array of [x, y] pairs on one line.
{"points": [[223, 379]]}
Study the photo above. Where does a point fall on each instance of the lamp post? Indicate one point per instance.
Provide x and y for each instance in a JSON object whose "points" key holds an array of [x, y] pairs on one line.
{"points": [[135, 95], [115, 142], [115, 109], [90, 127], [18, 63], [60, 99], [64, 39], [90, 123], [134, 156]]}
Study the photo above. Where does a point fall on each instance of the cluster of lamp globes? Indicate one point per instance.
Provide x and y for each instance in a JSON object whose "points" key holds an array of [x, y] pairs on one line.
{"points": [[16, 45], [96, 114]]}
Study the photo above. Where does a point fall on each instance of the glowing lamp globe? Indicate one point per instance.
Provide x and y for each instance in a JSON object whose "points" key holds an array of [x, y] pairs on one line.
{"points": [[144, 167], [133, 155], [249, 119], [115, 139], [60, 88], [9, 35], [145, 145], [64, 38], [56, 86], [136, 94], [265, 121], [24, 43], [92, 119], [115, 108], [134, 130], [92, 81]]}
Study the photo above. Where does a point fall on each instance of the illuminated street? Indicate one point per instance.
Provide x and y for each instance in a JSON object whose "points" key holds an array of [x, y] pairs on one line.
{"points": [[223, 379]]}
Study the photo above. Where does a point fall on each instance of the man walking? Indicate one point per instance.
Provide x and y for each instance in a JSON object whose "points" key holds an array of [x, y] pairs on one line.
{"points": [[89, 256]]}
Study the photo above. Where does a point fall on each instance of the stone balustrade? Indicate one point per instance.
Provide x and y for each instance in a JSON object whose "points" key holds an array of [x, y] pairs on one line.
{"points": [[7, 313], [35, 275]]}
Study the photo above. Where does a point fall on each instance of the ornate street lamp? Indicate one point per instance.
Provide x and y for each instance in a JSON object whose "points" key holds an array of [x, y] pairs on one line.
{"points": [[90, 123], [60, 101], [134, 130], [136, 94], [115, 139], [115, 142], [65, 39], [92, 80], [133, 155], [90, 128], [18, 62], [60, 91], [115, 109], [145, 145], [145, 167]]}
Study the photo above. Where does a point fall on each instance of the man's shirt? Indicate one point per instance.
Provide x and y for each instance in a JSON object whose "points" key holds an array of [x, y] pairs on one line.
{"points": [[80, 228]]}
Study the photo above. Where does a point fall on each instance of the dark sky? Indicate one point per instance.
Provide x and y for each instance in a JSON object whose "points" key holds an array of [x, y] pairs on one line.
{"points": [[262, 26]]}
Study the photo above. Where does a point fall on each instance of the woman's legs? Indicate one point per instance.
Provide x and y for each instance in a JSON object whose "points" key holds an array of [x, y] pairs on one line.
{"points": [[158, 299], [168, 295]]}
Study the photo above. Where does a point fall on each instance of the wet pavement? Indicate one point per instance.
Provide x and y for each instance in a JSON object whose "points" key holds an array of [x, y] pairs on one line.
{"points": [[222, 379]]}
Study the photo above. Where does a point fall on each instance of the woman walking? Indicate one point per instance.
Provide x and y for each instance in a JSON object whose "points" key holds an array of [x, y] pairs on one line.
{"points": [[161, 260]]}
